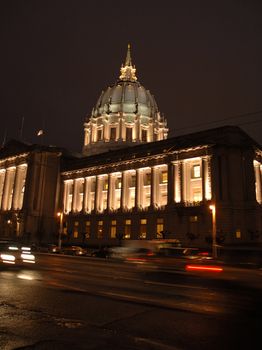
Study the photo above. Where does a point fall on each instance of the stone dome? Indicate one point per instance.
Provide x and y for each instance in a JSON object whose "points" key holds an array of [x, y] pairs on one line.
{"points": [[125, 114]]}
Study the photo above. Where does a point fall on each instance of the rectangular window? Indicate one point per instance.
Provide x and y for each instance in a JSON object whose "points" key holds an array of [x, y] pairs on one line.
{"points": [[100, 232], [193, 218], [133, 181], [113, 229], [196, 173], [105, 185], [75, 233], [238, 234], [127, 229], [147, 179], [159, 227], [88, 231], [118, 183], [143, 231], [164, 177], [197, 194]]}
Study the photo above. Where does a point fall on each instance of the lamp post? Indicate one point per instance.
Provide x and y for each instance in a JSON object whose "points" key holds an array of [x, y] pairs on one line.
{"points": [[214, 231], [60, 215]]}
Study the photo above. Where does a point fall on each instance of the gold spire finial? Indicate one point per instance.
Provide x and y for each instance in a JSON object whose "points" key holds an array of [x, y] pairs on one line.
{"points": [[128, 56], [128, 71]]}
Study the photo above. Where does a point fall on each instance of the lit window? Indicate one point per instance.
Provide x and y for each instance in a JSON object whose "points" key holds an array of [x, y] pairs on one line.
{"points": [[75, 233], [159, 227], [147, 179], [196, 171], [113, 231], [197, 195], [118, 183], [88, 232], [100, 229], [105, 185], [238, 234], [164, 177], [133, 181], [142, 234], [127, 229], [193, 218]]}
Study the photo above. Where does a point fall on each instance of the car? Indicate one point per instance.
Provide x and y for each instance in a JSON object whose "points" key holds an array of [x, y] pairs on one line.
{"points": [[101, 253], [14, 253], [45, 248], [179, 257], [52, 248], [73, 250]]}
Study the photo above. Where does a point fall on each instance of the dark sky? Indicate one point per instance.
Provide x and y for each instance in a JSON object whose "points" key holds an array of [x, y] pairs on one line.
{"points": [[201, 60]]}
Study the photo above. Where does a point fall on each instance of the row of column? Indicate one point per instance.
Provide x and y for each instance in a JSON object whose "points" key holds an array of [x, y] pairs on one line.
{"points": [[141, 188], [12, 186], [91, 131]]}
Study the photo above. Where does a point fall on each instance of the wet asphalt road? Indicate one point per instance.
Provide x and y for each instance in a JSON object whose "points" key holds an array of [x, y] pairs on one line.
{"points": [[82, 303]]}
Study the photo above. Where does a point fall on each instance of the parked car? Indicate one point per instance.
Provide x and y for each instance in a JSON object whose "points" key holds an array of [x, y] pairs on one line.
{"points": [[73, 250], [13, 253]]}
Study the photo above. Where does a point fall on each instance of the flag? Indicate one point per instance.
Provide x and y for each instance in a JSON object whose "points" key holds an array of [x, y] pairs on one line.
{"points": [[40, 132]]}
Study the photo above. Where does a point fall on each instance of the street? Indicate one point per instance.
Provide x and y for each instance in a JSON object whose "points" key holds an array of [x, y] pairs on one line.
{"points": [[85, 303]]}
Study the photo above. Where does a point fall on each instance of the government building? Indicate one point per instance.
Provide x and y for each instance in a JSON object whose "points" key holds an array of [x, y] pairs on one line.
{"points": [[131, 181]]}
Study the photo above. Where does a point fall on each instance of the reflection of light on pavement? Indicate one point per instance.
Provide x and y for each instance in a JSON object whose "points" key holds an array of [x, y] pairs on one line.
{"points": [[204, 268], [24, 276]]}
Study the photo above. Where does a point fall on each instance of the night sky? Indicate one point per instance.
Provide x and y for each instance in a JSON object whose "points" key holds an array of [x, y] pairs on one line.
{"points": [[200, 59]]}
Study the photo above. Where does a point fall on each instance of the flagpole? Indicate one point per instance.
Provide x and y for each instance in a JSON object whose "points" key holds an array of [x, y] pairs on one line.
{"points": [[4, 138], [21, 129]]}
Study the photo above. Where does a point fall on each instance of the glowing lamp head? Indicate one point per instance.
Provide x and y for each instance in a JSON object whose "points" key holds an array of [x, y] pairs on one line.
{"points": [[212, 207], [59, 214]]}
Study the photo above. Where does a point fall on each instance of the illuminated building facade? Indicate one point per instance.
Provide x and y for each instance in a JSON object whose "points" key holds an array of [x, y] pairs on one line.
{"points": [[159, 187], [168, 186]]}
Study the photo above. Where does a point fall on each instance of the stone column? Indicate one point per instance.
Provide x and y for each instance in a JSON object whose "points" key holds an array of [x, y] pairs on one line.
{"points": [[74, 196], [258, 182], [178, 181], [153, 190], [97, 194], [16, 188], [207, 175], [138, 185], [170, 183], [203, 174], [110, 193], [85, 197], [2, 183], [123, 191]]}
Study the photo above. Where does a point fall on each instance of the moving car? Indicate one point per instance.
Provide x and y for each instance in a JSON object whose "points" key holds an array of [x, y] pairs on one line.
{"points": [[13, 253], [73, 250], [100, 253]]}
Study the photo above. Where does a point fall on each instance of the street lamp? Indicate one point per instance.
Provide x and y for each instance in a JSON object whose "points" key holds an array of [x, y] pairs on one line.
{"points": [[214, 231], [60, 215]]}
